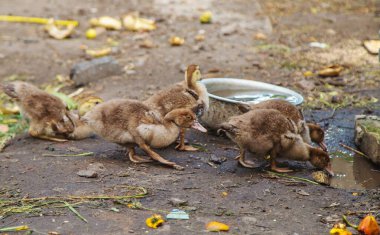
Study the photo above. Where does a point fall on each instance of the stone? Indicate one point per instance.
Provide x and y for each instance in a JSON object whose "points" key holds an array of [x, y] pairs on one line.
{"points": [[367, 136], [229, 29], [177, 202], [306, 85], [87, 173], [87, 71], [216, 159]]}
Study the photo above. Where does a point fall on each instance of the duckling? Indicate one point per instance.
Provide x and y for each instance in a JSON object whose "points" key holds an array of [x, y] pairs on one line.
{"points": [[267, 132], [131, 122], [184, 94], [309, 132], [48, 116]]}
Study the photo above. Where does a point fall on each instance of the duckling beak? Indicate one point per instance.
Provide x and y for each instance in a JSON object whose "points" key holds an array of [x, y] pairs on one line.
{"points": [[323, 146], [328, 168], [197, 126]]}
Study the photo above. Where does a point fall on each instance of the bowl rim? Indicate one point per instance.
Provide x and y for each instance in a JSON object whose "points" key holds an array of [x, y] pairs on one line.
{"points": [[264, 85]]}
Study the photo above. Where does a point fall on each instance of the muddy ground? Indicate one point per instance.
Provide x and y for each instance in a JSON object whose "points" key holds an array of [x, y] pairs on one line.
{"points": [[255, 202]]}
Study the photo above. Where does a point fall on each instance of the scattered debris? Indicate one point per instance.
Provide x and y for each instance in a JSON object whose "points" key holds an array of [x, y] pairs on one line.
{"points": [[133, 22], [199, 37], [177, 214], [260, 36], [87, 173], [229, 29], [37, 20], [99, 52], [303, 192], [215, 226], [14, 228], [367, 136], [372, 46], [292, 177], [176, 41], [147, 44], [176, 202], [59, 33], [69, 155], [92, 33], [217, 159], [331, 71], [87, 71], [106, 22], [308, 74], [206, 17], [318, 45], [306, 85], [154, 221], [321, 177]]}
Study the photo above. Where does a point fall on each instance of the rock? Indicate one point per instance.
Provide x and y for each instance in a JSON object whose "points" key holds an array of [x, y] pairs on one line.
{"points": [[367, 136], [249, 220], [176, 202], [216, 159], [229, 29], [87, 173], [306, 85], [96, 167], [85, 72]]}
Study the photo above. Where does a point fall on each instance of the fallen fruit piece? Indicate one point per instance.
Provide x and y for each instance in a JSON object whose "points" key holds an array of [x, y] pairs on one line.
{"points": [[224, 194], [308, 74], [321, 177], [260, 36], [330, 71], [215, 226], [91, 33], [58, 33], [134, 23], [200, 37], [37, 20], [206, 17], [340, 229], [98, 52], [369, 226], [372, 46], [106, 22], [176, 41], [154, 221]]}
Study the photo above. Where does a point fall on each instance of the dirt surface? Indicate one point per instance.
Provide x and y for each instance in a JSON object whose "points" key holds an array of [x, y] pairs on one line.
{"points": [[256, 203]]}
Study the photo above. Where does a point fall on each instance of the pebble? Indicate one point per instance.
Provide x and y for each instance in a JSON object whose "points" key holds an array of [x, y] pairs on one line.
{"points": [[216, 159], [177, 202], [87, 173]]}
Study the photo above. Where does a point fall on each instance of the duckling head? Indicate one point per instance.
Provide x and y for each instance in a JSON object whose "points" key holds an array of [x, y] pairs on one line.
{"points": [[317, 135], [87, 104], [192, 75], [185, 118], [320, 159]]}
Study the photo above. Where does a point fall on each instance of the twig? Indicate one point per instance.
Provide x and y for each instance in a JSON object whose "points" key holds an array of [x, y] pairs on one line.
{"points": [[68, 155], [75, 211], [353, 150], [293, 177]]}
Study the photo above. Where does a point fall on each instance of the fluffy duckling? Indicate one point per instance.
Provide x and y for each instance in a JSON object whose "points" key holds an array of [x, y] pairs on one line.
{"points": [[185, 94], [267, 132], [309, 132], [48, 116], [131, 122]]}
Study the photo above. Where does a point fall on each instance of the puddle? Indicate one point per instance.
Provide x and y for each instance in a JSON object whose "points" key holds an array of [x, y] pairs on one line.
{"points": [[251, 96], [351, 171]]}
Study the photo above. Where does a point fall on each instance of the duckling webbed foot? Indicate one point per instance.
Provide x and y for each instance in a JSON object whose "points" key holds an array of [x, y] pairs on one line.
{"points": [[158, 158], [275, 168], [136, 158], [182, 146], [242, 161]]}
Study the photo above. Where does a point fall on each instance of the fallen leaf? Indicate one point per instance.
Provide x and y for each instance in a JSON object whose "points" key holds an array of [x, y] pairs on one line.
{"points": [[369, 226], [176, 41], [330, 71], [59, 33], [206, 17], [133, 22], [154, 221], [106, 22], [215, 226], [372, 46]]}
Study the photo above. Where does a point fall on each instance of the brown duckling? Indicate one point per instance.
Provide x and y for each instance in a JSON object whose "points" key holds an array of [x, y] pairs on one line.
{"points": [[185, 94], [267, 132], [131, 122], [48, 116], [309, 132]]}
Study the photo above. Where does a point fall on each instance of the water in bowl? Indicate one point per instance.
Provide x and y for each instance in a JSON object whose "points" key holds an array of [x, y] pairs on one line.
{"points": [[253, 96]]}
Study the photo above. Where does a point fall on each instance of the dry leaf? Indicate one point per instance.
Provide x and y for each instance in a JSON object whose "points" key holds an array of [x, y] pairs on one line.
{"points": [[176, 41], [369, 226], [58, 33], [372, 46], [330, 71], [134, 23], [215, 226], [106, 22]]}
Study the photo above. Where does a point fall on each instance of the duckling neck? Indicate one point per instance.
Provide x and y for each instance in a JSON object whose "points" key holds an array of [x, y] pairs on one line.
{"points": [[159, 135]]}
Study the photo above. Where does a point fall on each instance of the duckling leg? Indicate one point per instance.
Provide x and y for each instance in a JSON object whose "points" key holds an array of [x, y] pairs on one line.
{"points": [[157, 157], [135, 158], [181, 146], [242, 161], [274, 166]]}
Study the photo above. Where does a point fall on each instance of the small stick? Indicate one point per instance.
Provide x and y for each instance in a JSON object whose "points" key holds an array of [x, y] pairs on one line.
{"points": [[348, 223], [353, 150], [68, 155], [293, 177], [75, 211]]}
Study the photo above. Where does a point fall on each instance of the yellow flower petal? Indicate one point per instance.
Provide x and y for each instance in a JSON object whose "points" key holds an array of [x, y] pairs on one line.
{"points": [[215, 226], [154, 221]]}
